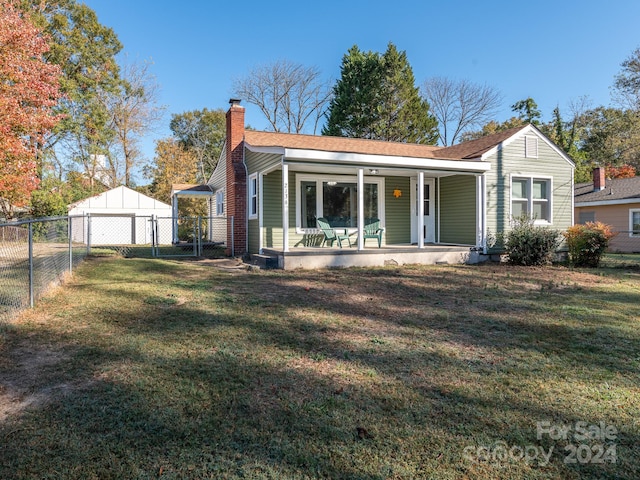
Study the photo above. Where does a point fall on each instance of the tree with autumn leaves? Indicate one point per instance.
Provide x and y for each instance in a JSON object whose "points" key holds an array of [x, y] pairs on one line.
{"points": [[29, 91]]}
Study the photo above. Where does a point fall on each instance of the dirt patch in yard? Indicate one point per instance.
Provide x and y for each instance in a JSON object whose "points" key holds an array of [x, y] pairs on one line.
{"points": [[23, 378]]}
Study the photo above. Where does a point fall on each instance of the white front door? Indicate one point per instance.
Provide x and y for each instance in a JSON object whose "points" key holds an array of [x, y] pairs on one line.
{"points": [[429, 210]]}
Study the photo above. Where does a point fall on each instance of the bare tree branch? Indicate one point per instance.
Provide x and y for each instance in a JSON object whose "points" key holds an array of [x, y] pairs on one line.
{"points": [[459, 105], [133, 111], [290, 95]]}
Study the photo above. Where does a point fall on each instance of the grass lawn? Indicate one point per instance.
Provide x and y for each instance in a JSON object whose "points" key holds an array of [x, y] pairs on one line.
{"points": [[141, 368]]}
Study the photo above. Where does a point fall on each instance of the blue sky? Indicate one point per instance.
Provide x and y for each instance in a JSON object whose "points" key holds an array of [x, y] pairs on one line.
{"points": [[553, 51]]}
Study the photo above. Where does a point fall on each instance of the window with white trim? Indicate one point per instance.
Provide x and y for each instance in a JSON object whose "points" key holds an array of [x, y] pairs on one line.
{"points": [[336, 199], [531, 197], [253, 195], [634, 222], [220, 202]]}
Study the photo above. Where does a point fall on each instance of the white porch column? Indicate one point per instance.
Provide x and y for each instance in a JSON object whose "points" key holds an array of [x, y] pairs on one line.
{"points": [[174, 214], [260, 212], [285, 207], [420, 209], [481, 213], [360, 209]]}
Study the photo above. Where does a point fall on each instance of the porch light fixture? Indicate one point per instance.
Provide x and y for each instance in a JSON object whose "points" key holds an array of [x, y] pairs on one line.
{"points": [[397, 193], [374, 171], [331, 184]]}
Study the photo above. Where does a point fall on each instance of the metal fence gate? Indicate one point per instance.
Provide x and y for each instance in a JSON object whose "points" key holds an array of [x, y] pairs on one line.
{"points": [[151, 236], [184, 233]]}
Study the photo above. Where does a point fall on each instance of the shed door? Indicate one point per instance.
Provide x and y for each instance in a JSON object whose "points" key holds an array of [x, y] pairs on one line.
{"points": [[107, 229]]}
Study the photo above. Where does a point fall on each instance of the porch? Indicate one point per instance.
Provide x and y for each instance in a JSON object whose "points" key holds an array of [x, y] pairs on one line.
{"points": [[329, 257]]}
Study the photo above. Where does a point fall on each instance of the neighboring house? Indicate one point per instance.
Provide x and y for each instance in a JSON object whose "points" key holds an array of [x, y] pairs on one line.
{"points": [[436, 204], [615, 202], [120, 216]]}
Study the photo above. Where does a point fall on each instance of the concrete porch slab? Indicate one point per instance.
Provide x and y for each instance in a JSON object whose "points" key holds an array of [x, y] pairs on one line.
{"points": [[315, 258]]}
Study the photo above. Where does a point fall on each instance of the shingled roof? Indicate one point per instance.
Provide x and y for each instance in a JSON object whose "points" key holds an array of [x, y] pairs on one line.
{"points": [[339, 144], [615, 190], [475, 148], [463, 151]]}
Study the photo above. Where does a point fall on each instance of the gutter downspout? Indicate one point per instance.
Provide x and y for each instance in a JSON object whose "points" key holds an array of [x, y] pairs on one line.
{"points": [[246, 215]]}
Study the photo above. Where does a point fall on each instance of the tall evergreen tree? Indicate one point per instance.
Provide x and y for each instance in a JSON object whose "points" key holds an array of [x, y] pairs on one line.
{"points": [[376, 98], [527, 111]]}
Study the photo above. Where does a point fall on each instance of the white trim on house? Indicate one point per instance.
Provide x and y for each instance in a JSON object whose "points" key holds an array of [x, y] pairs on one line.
{"points": [[631, 229], [319, 179], [437, 209], [485, 229], [285, 207], [357, 159], [480, 212], [431, 219], [360, 207], [529, 129], [220, 202], [252, 193], [260, 211], [258, 149], [420, 206], [599, 203], [360, 159], [573, 201], [530, 201]]}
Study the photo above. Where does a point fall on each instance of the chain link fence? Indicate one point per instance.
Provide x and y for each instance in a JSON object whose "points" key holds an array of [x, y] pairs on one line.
{"points": [[624, 251], [37, 254], [34, 256], [152, 236]]}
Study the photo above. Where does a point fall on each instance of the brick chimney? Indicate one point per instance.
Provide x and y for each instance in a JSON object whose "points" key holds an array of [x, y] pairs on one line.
{"points": [[236, 179], [598, 179]]}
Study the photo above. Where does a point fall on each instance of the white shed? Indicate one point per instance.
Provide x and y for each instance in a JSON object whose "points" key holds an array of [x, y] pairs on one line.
{"points": [[120, 216]]}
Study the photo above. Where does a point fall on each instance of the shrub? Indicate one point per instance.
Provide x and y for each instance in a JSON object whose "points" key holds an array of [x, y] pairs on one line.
{"points": [[587, 242], [527, 244]]}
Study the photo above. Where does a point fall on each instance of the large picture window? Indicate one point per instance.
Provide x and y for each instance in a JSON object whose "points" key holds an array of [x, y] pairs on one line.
{"points": [[337, 201], [531, 197]]}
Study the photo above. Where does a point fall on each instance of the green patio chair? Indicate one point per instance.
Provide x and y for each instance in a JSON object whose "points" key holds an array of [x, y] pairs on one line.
{"points": [[330, 234], [372, 230]]}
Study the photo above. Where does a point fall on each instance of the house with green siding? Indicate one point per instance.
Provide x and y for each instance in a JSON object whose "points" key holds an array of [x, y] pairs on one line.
{"points": [[434, 204]]}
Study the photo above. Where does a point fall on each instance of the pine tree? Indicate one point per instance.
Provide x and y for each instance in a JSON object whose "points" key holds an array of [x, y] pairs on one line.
{"points": [[376, 98]]}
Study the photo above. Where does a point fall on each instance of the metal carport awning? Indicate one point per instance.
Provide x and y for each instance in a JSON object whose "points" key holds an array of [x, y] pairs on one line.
{"points": [[186, 190]]}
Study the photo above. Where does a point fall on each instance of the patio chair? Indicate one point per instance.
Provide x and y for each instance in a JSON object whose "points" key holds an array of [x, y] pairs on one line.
{"points": [[372, 230], [330, 234]]}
